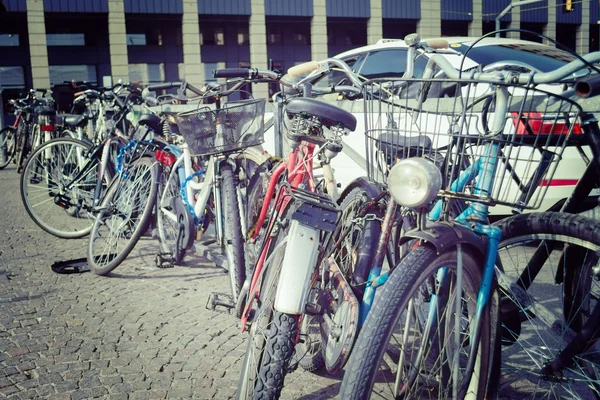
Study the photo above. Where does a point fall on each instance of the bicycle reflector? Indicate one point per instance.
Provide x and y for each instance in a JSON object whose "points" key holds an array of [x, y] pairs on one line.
{"points": [[414, 182]]}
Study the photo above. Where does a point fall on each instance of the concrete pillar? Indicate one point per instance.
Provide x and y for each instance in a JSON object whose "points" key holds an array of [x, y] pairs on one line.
{"points": [[375, 23], [38, 51], [117, 40], [430, 24], [475, 26], [550, 28], [515, 23], [193, 68], [583, 30], [258, 44], [318, 31]]}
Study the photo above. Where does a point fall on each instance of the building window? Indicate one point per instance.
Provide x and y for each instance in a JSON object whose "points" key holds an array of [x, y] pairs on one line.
{"points": [[243, 36], [9, 39], [274, 35], [136, 39], [68, 73], [12, 77], [65, 39], [147, 73], [301, 38], [212, 36]]}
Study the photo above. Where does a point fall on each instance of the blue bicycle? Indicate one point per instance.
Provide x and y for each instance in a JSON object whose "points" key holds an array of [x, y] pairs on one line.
{"points": [[446, 151]]}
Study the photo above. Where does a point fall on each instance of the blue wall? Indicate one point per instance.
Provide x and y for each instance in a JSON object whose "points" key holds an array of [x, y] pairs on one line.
{"points": [[491, 8], [404, 9], [15, 5], [536, 12], [76, 6], [224, 7], [594, 13], [289, 8], [154, 6], [349, 8], [460, 10]]}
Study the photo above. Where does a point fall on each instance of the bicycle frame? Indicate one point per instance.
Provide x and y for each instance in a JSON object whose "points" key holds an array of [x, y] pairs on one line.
{"points": [[298, 168]]}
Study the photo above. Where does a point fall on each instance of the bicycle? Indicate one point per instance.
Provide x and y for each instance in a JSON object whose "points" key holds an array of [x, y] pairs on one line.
{"points": [[417, 278], [33, 126], [295, 214], [65, 178], [212, 156]]}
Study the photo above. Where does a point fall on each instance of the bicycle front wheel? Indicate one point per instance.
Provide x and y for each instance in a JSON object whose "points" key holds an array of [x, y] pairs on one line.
{"points": [[543, 312], [58, 187], [124, 216], [417, 337], [272, 337], [8, 143]]}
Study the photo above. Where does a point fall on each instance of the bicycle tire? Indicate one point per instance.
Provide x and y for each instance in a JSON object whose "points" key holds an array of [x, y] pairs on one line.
{"points": [[412, 282], [272, 335], [23, 146], [233, 242], [7, 146], [46, 176], [125, 214], [547, 314], [176, 230], [356, 241]]}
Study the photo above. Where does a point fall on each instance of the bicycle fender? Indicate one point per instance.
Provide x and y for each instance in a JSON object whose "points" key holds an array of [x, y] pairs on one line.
{"points": [[297, 268], [444, 236]]}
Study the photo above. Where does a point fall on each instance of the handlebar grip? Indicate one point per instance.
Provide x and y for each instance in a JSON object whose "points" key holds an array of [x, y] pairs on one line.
{"points": [[437, 43], [162, 86], [588, 86], [303, 68], [233, 73]]}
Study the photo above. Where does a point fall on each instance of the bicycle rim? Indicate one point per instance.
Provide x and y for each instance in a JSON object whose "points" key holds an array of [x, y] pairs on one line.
{"points": [[124, 216], [417, 339], [54, 200], [539, 322]]}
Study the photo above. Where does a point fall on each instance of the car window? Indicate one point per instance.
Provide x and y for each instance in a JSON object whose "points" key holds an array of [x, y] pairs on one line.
{"points": [[338, 77], [389, 64], [543, 58]]}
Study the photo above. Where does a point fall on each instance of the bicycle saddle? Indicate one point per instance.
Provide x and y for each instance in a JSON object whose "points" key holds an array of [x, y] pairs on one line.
{"points": [[73, 119], [394, 145], [328, 114], [151, 121]]}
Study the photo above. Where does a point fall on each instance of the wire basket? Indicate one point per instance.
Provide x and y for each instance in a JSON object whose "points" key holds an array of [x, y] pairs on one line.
{"points": [[454, 124], [233, 127]]}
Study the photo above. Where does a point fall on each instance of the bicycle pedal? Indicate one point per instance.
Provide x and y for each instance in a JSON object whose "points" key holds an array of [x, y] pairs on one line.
{"points": [[220, 302], [163, 260]]}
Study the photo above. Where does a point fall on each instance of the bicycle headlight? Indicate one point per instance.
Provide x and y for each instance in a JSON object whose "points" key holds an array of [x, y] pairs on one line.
{"points": [[414, 182]]}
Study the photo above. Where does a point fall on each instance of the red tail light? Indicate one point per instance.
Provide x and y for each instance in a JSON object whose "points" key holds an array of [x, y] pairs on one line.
{"points": [[535, 123], [47, 128], [166, 159]]}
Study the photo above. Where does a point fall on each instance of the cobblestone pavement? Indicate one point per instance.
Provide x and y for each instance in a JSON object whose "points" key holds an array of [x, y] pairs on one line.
{"points": [[143, 333]]}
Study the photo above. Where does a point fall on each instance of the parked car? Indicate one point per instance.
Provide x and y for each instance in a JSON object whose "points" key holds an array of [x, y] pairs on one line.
{"points": [[387, 59]]}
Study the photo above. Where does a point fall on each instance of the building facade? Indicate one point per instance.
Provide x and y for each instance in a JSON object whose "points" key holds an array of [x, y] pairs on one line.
{"points": [[45, 42]]}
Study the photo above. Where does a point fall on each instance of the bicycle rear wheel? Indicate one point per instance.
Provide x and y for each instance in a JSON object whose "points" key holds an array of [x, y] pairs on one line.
{"points": [[124, 215], [541, 314], [176, 228], [56, 198], [415, 342], [8, 143], [272, 335]]}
